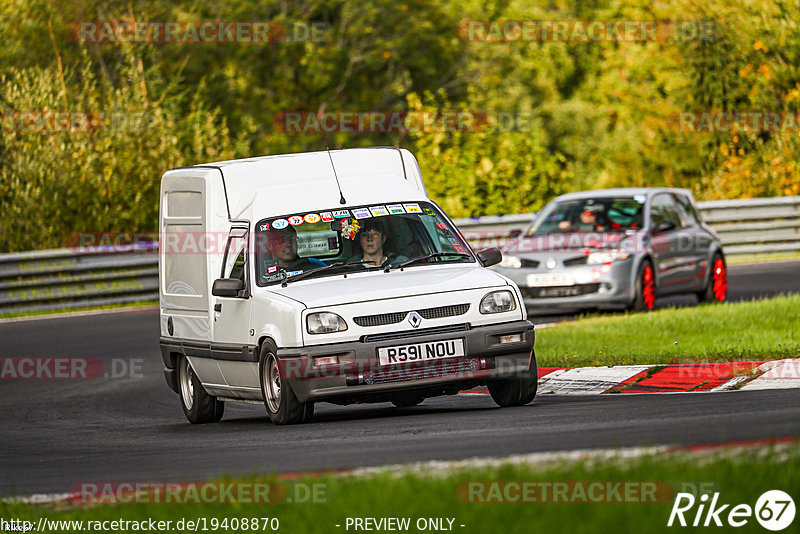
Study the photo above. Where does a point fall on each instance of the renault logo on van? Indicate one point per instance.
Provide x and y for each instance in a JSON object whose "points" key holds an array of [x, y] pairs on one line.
{"points": [[415, 319]]}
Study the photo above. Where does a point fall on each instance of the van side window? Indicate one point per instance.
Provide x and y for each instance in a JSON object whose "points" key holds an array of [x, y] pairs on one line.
{"points": [[234, 265]]}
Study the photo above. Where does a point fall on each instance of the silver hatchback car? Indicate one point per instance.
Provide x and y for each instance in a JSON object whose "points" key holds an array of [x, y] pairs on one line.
{"points": [[616, 248]]}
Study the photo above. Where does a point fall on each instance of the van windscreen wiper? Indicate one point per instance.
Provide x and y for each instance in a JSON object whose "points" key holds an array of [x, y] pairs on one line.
{"points": [[403, 263], [306, 274]]}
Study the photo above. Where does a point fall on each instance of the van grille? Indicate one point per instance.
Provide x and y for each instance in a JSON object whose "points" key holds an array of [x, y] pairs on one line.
{"points": [[415, 333], [419, 371], [396, 317]]}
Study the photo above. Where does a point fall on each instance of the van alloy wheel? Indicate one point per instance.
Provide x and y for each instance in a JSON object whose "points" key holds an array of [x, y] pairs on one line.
{"points": [[283, 406], [198, 405]]}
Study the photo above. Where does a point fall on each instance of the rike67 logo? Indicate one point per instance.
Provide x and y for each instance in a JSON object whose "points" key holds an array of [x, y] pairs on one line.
{"points": [[774, 510]]}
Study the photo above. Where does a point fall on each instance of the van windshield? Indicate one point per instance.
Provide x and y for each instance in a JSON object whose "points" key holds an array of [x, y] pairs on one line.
{"points": [[358, 238]]}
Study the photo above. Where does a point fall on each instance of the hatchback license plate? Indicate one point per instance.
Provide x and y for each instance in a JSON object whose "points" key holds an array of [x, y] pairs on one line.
{"points": [[550, 280], [432, 350]]}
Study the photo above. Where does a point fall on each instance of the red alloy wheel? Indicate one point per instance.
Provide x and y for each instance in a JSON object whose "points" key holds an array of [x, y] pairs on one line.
{"points": [[720, 280], [648, 287]]}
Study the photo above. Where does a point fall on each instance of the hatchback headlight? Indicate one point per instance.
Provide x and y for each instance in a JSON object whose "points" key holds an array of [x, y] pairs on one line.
{"points": [[324, 323], [596, 258], [510, 262], [497, 302]]}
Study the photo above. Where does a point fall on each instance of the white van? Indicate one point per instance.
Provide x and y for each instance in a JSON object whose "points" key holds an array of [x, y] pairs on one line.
{"points": [[328, 276]]}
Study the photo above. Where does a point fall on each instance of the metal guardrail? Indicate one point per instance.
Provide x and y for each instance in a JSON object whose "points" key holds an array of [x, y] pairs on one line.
{"points": [[73, 278]]}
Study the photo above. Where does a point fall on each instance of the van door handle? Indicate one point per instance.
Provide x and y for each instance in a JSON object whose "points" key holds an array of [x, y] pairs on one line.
{"points": [[218, 307]]}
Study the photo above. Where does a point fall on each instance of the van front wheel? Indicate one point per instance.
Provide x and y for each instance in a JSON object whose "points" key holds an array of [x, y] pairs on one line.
{"points": [[516, 391], [282, 404], [198, 405]]}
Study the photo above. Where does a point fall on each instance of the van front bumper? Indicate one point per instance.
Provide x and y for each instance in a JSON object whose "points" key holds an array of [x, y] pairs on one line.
{"points": [[486, 357]]}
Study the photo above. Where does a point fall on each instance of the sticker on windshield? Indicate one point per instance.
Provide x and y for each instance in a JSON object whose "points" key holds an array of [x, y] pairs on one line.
{"points": [[340, 214], [292, 273], [264, 227], [311, 218], [295, 220], [272, 269], [279, 224], [428, 211], [441, 225], [350, 229], [361, 213], [395, 208], [412, 208], [462, 250], [275, 277], [639, 198], [379, 211], [326, 216], [454, 241]]}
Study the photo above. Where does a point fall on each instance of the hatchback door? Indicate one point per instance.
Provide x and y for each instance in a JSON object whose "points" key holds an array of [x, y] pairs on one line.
{"points": [[673, 246]]}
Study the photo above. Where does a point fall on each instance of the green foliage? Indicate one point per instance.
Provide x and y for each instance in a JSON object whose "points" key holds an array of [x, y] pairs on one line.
{"points": [[593, 114]]}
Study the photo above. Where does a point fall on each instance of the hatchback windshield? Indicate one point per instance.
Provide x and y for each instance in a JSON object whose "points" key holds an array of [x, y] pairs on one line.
{"points": [[357, 238], [590, 215]]}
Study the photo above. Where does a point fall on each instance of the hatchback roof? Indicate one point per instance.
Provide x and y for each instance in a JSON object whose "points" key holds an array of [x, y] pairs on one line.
{"points": [[621, 191]]}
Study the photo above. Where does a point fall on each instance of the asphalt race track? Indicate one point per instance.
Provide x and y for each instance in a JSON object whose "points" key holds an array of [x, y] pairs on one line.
{"points": [[57, 433]]}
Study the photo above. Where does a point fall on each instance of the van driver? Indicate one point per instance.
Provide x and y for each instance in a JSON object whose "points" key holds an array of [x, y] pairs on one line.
{"points": [[282, 246]]}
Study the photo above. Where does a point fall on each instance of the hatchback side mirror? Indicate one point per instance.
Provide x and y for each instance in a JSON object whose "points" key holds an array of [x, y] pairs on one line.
{"points": [[665, 226], [515, 233], [490, 256], [227, 287]]}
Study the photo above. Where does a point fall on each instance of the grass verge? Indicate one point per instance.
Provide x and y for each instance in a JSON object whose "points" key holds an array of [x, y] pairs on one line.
{"points": [[448, 494], [754, 330]]}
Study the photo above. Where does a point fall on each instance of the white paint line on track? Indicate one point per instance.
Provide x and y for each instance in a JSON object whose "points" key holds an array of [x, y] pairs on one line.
{"points": [[38, 498], [588, 380]]}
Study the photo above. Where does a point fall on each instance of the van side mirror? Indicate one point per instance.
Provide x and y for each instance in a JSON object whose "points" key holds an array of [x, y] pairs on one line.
{"points": [[227, 287], [490, 256], [665, 226], [515, 233]]}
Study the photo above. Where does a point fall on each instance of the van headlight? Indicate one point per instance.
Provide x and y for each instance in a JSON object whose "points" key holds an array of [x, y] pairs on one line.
{"points": [[497, 302], [510, 262], [324, 323]]}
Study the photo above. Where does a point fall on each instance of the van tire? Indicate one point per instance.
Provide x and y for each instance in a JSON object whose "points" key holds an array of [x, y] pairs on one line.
{"points": [[282, 404], [518, 390], [198, 406]]}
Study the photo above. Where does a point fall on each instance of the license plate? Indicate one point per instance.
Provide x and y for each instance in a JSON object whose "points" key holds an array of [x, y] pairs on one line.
{"points": [[432, 350], [550, 280]]}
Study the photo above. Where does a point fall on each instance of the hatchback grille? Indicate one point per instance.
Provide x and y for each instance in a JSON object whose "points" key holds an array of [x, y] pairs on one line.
{"points": [[579, 260], [396, 317], [558, 291], [415, 333]]}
